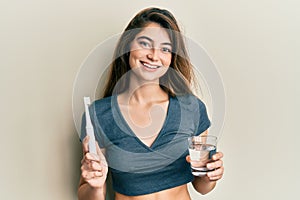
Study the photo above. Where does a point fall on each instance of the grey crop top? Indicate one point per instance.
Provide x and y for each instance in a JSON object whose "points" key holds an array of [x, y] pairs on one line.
{"points": [[137, 169]]}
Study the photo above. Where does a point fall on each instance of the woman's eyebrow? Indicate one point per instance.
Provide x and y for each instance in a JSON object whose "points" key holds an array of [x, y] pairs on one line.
{"points": [[167, 43], [147, 38]]}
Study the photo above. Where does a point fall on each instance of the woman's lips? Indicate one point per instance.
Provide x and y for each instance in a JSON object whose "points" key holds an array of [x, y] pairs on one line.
{"points": [[150, 66]]}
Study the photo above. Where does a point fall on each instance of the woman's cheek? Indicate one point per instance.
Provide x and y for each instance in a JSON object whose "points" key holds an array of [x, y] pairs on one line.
{"points": [[167, 61]]}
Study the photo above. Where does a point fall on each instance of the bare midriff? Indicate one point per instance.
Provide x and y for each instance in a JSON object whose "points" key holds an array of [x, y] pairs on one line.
{"points": [[176, 193]]}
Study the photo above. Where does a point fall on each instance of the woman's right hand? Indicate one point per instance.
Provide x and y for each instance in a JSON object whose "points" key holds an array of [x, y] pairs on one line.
{"points": [[93, 167]]}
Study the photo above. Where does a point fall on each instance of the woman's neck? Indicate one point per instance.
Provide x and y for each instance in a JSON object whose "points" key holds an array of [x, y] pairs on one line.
{"points": [[144, 91], [147, 93]]}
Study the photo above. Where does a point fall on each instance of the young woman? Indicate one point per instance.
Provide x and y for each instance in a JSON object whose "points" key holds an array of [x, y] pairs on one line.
{"points": [[147, 114]]}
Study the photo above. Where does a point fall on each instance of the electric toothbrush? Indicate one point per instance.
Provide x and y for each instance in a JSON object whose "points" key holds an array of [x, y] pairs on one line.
{"points": [[89, 127]]}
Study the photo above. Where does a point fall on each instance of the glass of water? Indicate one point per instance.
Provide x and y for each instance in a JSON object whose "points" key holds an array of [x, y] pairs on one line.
{"points": [[201, 149]]}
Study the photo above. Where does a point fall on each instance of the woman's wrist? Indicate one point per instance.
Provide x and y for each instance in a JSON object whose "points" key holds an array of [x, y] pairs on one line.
{"points": [[203, 184]]}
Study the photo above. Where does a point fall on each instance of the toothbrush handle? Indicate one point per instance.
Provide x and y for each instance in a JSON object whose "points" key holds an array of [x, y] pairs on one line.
{"points": [[92, 142]]}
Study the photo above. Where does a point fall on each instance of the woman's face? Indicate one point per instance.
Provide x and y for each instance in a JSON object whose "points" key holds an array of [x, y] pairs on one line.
{"points": [[150, 53]]}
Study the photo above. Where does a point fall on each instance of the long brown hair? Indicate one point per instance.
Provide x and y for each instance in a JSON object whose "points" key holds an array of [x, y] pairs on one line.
{"points": [[174, 82]]}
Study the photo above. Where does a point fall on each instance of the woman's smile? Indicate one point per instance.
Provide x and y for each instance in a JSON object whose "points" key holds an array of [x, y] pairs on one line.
{"points": [[149, 66]]}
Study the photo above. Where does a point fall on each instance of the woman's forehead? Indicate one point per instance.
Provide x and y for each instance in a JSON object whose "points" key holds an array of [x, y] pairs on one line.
{"points": [[155, 32]]}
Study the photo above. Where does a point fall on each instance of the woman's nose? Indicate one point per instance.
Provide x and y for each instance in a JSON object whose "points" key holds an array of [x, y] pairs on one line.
{"points": [[153, 54]]}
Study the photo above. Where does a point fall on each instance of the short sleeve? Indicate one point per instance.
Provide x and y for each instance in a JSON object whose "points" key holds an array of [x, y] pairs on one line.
{"points": [[204, 122]]}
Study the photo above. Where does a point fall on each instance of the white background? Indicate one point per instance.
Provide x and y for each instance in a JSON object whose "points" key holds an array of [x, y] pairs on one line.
{"points": [[255, 45]]}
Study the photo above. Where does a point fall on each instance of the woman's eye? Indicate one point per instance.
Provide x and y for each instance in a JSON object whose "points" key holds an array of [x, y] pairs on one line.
{"points": [[166, 50], [145, 44]]}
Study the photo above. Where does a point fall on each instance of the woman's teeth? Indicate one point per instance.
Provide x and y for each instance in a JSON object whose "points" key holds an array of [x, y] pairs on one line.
{"points": [[151, 66]]}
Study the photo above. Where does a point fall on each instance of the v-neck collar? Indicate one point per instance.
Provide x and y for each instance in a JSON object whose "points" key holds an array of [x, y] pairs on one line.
{"points": [[131, 132]]}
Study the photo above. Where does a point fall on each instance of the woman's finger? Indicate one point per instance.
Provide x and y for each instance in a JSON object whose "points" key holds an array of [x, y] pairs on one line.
{"points": [[214, 165], [91, 175], [216, 173], [91, 157], [188, 158], [217, 156], [95, 166], [215, 178], [91, 166], [88, 158]]}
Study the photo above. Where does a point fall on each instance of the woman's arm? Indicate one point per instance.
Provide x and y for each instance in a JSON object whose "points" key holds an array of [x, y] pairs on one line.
{"points": [[94, 170]]}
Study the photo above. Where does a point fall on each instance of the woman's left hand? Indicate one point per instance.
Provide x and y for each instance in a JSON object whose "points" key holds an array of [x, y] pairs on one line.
{"points": [[216, 164]]}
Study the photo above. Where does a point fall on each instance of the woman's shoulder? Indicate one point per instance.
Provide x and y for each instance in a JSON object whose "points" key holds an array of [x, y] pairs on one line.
{"points": [[190, 99], [190, 104], [101, 106], [103, 101]]}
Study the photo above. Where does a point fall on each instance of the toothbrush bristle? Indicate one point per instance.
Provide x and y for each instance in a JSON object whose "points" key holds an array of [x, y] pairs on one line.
{"points": [[87, 100]]}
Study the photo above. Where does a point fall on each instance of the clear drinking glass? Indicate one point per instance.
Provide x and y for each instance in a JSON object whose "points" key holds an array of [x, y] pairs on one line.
{"points": [[201, 149]]}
